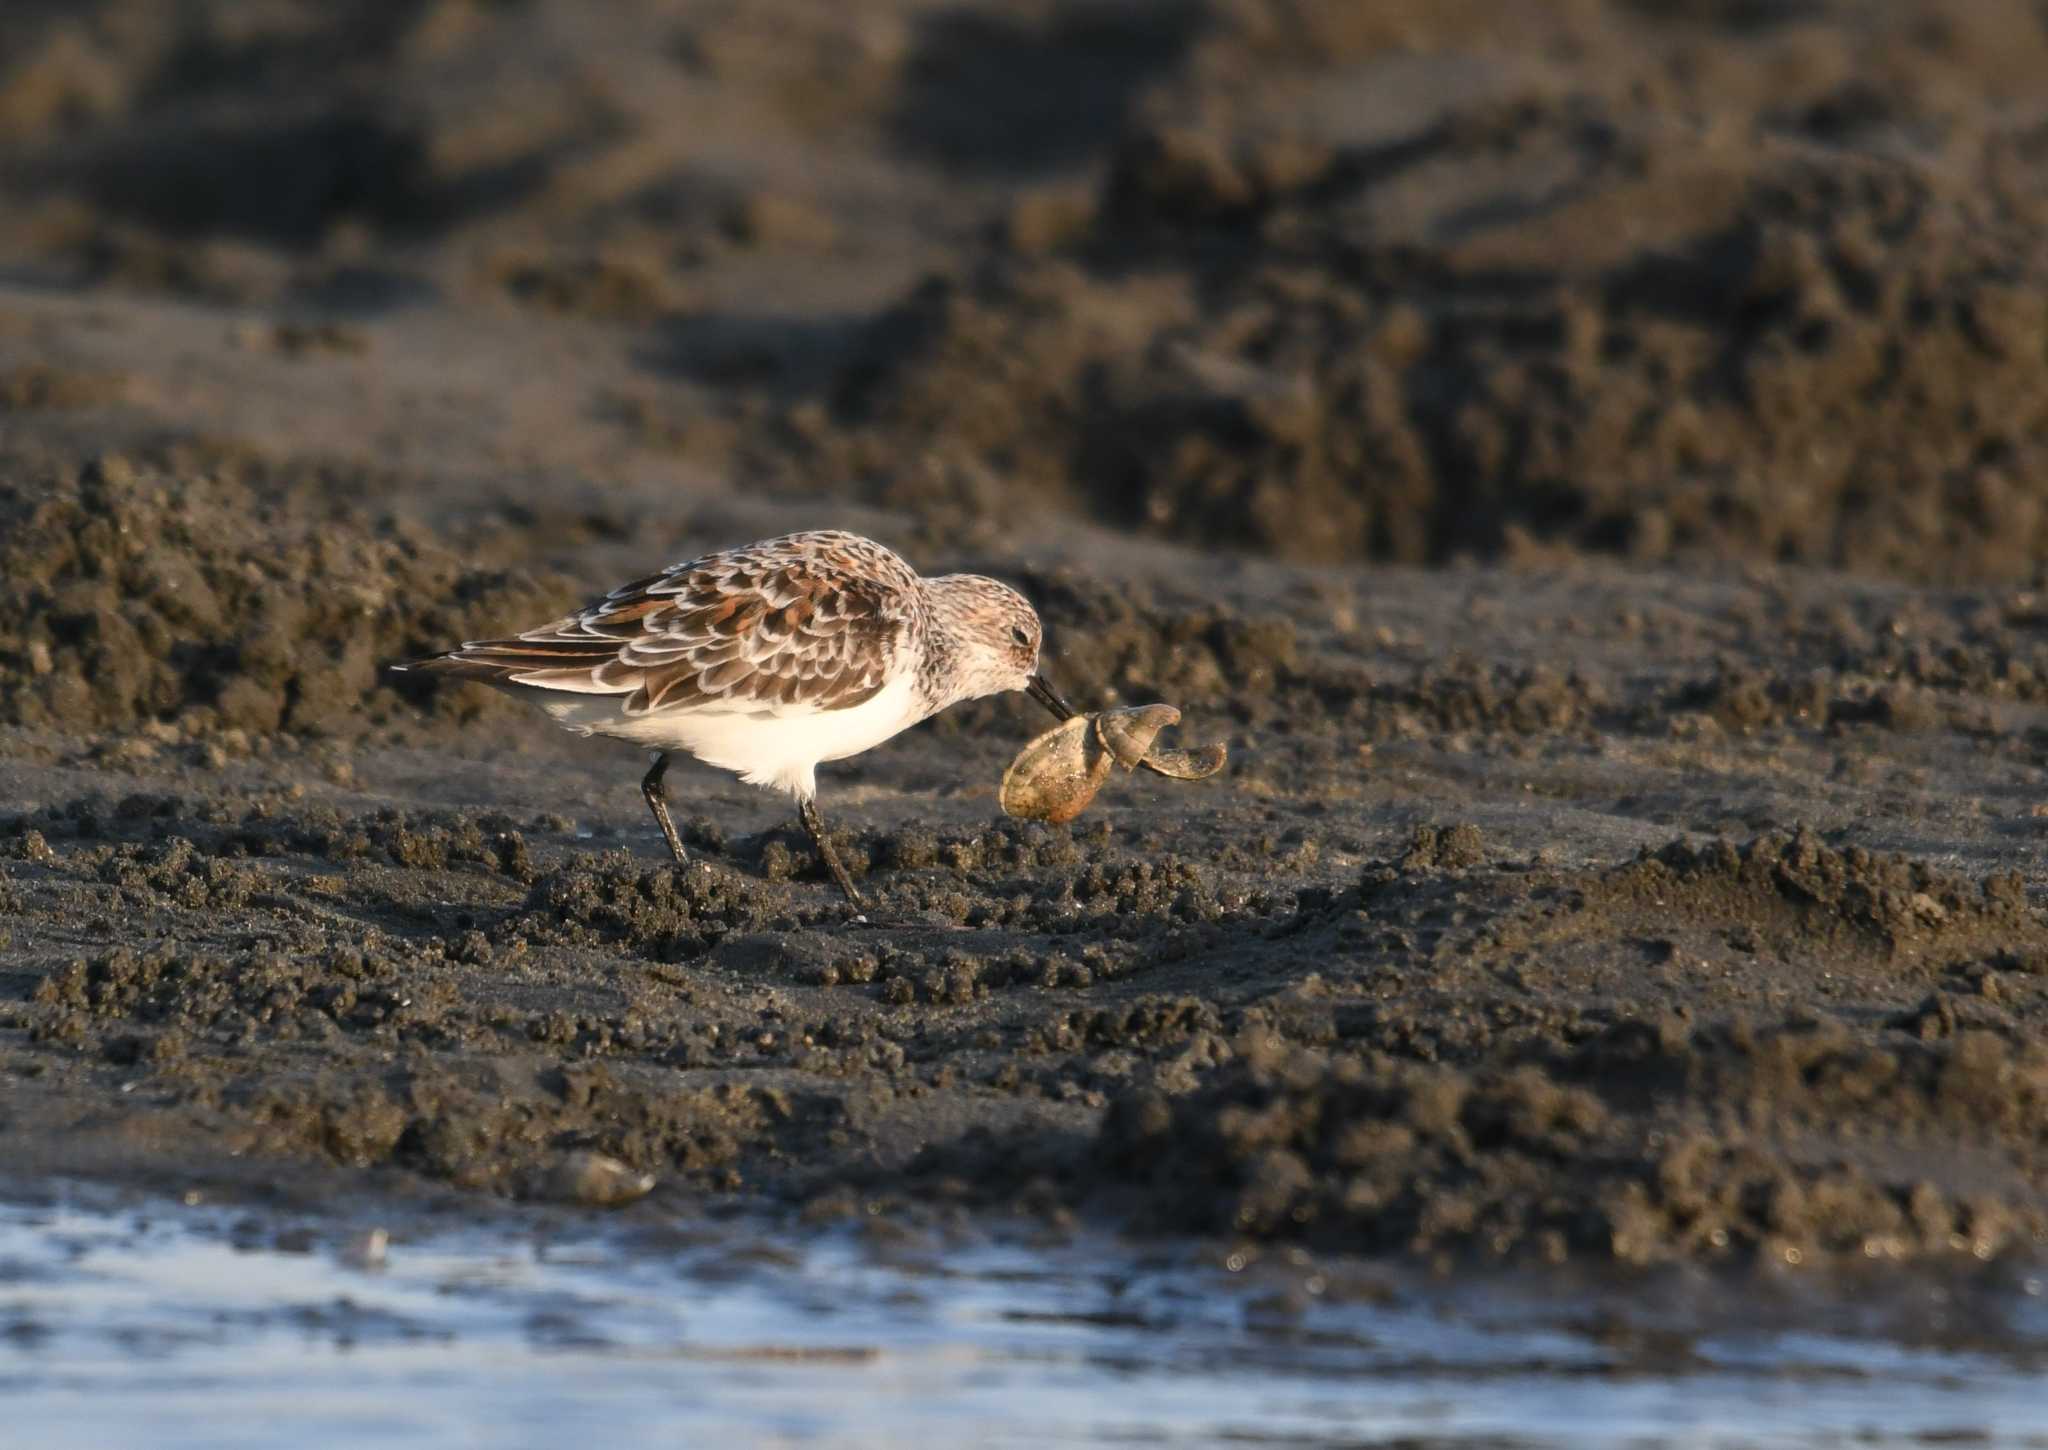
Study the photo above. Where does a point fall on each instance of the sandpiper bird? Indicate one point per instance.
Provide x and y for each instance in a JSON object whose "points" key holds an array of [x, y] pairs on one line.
{"points": [[768, 659]]}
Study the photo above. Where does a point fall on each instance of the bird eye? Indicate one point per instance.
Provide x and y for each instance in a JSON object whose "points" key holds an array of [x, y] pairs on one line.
{"points": [[1019, 634]]}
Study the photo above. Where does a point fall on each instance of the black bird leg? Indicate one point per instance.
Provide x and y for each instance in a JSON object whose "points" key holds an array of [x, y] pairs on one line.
{"points": [[657, 801], [807, 812]]}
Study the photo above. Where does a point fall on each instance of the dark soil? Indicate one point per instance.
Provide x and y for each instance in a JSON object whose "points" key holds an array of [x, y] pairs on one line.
{"points": [[1587, 461]]}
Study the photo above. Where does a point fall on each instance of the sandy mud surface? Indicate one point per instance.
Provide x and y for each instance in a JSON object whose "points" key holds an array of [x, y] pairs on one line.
{"points": [[1589, 462]]}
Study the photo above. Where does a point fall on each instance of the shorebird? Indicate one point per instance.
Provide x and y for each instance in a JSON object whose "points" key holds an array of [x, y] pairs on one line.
{"points": [[767, 660]]}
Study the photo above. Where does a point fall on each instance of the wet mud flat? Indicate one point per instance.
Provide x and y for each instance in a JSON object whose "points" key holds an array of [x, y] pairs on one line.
{"points": [[1587, 465], [1713, 933]]}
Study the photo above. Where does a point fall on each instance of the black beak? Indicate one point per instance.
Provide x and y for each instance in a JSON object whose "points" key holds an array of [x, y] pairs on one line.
{"points": [[1041, 690]]}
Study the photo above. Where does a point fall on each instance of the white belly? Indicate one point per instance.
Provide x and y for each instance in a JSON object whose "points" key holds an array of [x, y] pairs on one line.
{"points": [[781, 751]]}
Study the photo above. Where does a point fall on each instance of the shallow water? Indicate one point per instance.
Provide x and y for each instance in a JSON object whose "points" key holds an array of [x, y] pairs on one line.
{"points": [[176, 1325]]}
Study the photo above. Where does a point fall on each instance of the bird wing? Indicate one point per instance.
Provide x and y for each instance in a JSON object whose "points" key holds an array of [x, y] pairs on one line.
{"points": [[748, 631]]}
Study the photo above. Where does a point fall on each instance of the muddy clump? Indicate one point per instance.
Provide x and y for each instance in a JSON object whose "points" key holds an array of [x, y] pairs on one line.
{"points": [[664, 913], [464, 1126], [131, 596], [1444, 848], [235, 994], [1398, 1157], [1795, 893]]}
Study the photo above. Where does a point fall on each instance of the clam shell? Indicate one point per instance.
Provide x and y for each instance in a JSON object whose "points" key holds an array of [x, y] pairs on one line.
{"points": [[1054, 777], [1197, 764], [1128, 733]]}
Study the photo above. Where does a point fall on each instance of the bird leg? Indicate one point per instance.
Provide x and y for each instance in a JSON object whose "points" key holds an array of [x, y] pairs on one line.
{"points": [[657, 801], [807, 812]]}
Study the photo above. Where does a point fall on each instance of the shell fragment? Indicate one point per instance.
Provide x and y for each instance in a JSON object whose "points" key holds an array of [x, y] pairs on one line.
{"points": [[1198, 764], [1128, 734]]}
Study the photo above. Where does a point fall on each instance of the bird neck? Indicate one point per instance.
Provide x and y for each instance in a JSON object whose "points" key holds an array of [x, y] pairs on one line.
{"points": [[939, 672]]}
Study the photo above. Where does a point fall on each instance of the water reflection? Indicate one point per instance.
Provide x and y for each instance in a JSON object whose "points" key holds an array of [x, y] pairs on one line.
{"points": [[194, 1326]]}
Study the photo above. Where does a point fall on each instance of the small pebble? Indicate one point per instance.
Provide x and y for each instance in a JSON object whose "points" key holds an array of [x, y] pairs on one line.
{"points": [[367, 1250], [595, 1180]]}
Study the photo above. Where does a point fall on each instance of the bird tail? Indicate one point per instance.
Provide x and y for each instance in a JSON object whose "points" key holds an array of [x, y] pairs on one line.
{"points": [[548, 664]]}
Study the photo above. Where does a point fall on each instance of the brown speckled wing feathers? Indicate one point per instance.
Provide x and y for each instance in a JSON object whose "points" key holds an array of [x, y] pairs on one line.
{"points": [[804, 623]]}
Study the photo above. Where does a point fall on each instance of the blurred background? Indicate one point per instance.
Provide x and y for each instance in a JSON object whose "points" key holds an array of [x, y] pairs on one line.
{"points": [[1326, 280]]}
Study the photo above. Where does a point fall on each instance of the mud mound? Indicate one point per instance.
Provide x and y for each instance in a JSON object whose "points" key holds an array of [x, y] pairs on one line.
{"points": [[1398, 1157], [1675, 345], [130, 596], [1463, 1056], [169, 1010], [1793, 894], [658, 913], [183, 992], [462, 1126]]}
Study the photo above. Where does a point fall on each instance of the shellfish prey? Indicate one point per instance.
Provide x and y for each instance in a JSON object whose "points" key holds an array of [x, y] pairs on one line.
{"points": [[1056, 775]]}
